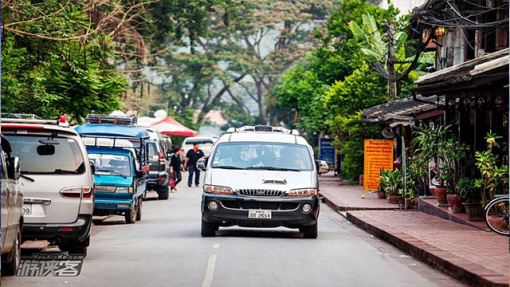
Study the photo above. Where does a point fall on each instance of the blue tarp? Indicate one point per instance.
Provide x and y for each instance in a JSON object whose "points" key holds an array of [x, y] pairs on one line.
{"points": [[112, 131]]}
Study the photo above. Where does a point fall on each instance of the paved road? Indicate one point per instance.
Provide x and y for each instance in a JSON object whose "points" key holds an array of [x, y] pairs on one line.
{"points": [[166, 249]]}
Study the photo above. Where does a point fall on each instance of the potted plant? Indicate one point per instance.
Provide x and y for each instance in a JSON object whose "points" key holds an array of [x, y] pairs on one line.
{"points": [[494, 177], [400, 198], [471, 199], [381, 193], [427, 144], [394, 180], [453, 168]]}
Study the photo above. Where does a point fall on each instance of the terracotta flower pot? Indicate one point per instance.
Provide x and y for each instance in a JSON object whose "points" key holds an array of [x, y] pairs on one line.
{"points": [[441, 196], [433, 191], [400, 201], [474, 211], [381, 195], [409, 203], [455, 203], [392, 199]]}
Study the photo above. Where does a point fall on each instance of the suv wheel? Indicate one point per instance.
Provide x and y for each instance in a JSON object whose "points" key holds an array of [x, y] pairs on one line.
{"points": [[208, 229], [139, 213], [311, 231], [13, 258], [76, 247], [131, 215], [163, 192]]}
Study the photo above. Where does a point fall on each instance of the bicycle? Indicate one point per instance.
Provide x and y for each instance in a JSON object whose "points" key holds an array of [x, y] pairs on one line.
{"points": [[496, 215]]}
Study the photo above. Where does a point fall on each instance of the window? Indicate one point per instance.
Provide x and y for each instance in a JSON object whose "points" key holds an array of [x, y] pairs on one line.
{"points": [[67, 158], [111, 164]]}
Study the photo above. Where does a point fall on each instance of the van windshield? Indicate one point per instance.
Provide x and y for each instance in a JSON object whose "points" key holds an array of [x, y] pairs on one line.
{"points": [[111, 164], [261, 155], [36, 156]]}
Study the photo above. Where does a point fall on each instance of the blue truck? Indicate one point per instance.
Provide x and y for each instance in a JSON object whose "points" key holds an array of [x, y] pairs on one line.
{"points": [[119, 152]]}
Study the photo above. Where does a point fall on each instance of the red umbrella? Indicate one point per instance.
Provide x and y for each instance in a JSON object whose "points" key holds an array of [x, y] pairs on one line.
{"points": [[169, 126]]}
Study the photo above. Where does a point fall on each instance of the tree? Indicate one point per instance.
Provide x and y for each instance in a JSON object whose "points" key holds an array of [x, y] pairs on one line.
{"points": [[240, 60], [53, 62]]}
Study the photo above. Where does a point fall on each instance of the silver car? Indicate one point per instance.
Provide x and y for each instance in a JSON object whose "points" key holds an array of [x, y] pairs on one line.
{"points": [[12, 214], [57, 182]]}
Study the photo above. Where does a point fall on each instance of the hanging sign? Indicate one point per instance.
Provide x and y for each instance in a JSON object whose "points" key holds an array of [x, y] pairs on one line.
{"points": [[378, 155]]}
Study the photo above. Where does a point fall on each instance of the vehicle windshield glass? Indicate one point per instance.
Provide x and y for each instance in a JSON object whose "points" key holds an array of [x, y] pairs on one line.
{"points": [[66, 158], [111, 164], [262, 155], [153, 149], [198, 141]]}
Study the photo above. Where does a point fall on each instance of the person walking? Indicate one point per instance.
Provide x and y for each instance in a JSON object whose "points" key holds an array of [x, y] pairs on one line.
{"points": [[176, 166], [190, 162]]}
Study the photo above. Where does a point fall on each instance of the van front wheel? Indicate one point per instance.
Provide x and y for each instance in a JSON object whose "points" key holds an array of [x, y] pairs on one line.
{"points": [[208, 229], [311, 231], [131, 215]]}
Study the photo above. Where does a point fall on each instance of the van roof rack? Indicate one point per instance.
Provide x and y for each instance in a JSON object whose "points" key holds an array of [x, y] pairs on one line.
{"points": [[111, 120], [32, 119], [262, 128]]}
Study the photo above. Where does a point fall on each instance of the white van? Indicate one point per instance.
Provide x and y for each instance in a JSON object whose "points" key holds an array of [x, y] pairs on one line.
{"points": [[261, 177], [56, 180]]}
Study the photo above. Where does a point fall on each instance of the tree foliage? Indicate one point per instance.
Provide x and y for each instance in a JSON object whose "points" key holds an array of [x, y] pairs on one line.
{"points": [[47, 76]]}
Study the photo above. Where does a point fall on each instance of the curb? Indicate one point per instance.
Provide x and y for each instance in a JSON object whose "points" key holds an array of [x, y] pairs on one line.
{"points": [[339, 208], [456, 267]]}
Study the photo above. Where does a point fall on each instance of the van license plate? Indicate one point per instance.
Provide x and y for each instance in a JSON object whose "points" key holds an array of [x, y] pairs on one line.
{"points": [[27, 209], [259, 214]]}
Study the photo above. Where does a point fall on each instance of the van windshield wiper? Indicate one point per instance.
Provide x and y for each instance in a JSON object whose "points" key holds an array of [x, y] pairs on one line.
{"points": [[27, 177], [228, 167], [112, 172], [272, 168], [63, 171]]}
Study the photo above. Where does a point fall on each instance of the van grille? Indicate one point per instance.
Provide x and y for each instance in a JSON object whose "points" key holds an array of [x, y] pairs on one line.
{"points": [[260, 192], [260, 205]]}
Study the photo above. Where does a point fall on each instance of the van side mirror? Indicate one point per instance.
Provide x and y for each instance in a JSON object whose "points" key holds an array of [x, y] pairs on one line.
{"points": [[13, 168], [92, 166], [139, 173]]}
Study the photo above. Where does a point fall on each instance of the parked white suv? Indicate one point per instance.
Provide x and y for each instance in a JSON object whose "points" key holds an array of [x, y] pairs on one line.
{"points": [[57, 182], [205, 144]]}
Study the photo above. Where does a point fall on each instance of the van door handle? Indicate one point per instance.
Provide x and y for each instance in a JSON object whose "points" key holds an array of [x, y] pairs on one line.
{"points": [[32, 200]]}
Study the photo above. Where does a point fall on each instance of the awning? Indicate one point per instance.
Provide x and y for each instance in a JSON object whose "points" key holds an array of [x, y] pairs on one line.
{"points": [[490, 69], [401, 110], [169, 126]]}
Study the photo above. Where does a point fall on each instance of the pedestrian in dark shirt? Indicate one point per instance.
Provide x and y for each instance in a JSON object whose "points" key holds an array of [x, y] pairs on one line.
{"points": [[190, 162], [176, 166]]}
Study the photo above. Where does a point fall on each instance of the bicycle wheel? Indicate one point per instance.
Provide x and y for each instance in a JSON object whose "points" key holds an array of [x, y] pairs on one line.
{"points": [[496, 216]]}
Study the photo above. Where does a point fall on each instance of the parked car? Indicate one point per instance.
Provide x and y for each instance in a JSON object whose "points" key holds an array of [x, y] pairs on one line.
{"points": [[12, 210], [323, 167], [120, 156], [56, 180], [205, 143], [159, 174], [260, 177]]}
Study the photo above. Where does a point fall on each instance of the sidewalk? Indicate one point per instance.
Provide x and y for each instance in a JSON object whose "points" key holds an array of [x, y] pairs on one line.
{"points": [[466, 253], [348, 197]]}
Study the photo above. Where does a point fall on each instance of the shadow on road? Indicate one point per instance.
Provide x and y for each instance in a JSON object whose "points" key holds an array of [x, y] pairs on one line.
{"points": [[259, 233]]}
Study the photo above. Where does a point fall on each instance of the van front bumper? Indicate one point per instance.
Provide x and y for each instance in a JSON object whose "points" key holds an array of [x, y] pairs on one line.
{"points": [[59, 232], [285, 211]]}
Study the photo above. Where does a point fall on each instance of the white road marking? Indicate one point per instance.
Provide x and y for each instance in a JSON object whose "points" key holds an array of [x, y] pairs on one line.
{"points": [[216, 246], [209, 271]]}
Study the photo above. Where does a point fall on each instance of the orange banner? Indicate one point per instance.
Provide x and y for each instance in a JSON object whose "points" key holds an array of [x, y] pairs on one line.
{"points": [[378, 154]]}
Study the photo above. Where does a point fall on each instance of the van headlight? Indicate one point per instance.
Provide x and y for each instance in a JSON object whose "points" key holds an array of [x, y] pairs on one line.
{"points": [[302, 192], [218, 189], [124, 190]]}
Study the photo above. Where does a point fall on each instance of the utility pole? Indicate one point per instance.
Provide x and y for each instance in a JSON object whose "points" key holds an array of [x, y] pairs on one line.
{"points": [[392, 86]]}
